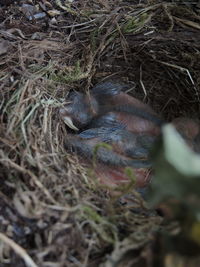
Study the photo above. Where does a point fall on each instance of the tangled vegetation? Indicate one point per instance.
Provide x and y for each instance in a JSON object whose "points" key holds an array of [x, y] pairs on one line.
{"points": [[52, 211]]}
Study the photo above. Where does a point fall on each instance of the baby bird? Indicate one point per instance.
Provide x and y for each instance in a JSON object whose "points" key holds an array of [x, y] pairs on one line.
{"points": [[110, 116], [123, 142], [80, 110], [126, 150], [108, 106], [128, 127]]}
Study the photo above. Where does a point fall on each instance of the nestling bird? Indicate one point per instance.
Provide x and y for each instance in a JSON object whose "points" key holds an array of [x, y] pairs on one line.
{"points": [[123, 142], [80, 110], [127, 150], [113, 117], [130, 127], [108, 106]]}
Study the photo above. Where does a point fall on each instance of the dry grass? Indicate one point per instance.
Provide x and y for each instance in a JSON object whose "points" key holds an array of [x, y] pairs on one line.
{"points": [[51, 209]]}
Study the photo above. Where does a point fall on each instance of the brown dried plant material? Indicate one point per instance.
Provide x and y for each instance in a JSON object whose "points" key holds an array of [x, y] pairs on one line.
{"points": [[62, 217], [4, 46]]}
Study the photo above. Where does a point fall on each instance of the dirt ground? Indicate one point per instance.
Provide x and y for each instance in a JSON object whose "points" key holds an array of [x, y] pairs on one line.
{"points": [[52, 213]]}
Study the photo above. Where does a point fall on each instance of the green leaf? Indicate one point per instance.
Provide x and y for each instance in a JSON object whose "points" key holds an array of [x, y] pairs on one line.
{"points": [[178, 154], [177, 169]]}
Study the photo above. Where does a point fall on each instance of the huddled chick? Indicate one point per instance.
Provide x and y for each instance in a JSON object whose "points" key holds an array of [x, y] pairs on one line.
{"points": [[130, 128]]}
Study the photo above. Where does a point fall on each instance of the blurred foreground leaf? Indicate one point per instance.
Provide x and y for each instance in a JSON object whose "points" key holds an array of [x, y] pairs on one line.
{"points": [[175, 190], [177, 168]]}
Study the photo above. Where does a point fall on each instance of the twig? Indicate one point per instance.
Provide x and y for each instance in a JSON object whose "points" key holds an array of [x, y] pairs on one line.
{"points": [[18, 250]]}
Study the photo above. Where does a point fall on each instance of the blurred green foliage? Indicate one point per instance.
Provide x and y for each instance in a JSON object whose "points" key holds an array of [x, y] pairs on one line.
{"points": [[175, 189]]}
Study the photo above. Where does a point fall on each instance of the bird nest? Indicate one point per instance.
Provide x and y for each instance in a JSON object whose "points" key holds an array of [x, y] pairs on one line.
{"points": [[53, 212]]}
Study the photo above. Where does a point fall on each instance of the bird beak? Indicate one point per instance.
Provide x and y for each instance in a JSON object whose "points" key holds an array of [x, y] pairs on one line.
{"points": [[69, 123]]}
